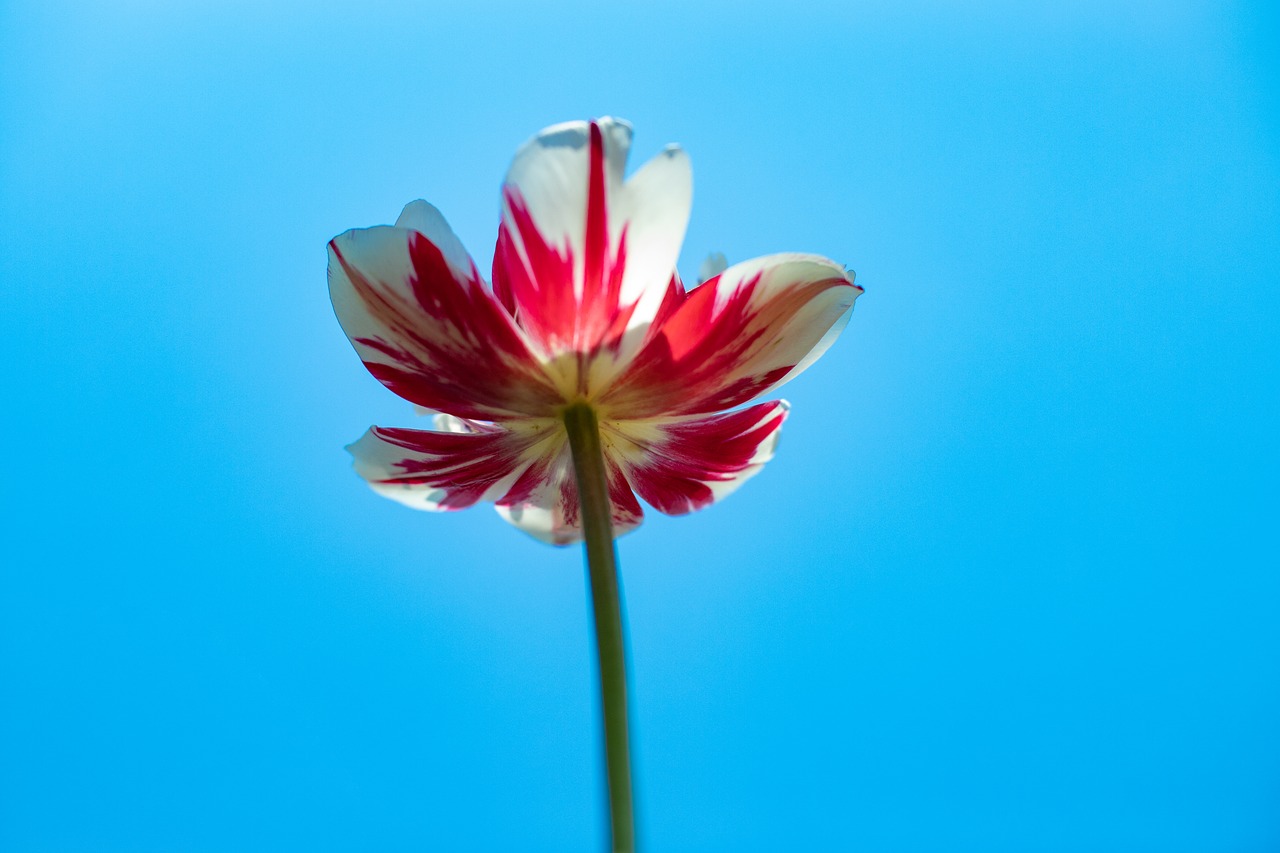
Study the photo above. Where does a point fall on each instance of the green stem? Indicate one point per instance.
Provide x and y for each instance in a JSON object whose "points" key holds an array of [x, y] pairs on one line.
{"points": [[606, 604]]}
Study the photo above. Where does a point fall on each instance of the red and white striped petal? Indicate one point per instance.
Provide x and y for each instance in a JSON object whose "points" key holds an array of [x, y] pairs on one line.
{"points": [[736, 336], [544, 503], [427, 220], [584, 258], [684, 464], [420, 317], [441, 471]]}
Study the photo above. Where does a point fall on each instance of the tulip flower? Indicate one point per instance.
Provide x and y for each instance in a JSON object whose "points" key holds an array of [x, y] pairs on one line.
{"points": [[586, 374]]}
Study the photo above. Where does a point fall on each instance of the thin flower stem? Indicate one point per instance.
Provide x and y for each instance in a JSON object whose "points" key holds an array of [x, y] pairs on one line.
{"points": [[606, 604]]}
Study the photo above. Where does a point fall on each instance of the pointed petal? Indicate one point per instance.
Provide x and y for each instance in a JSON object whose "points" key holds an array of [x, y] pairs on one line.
{"points": [[684, 464], [440, 471], [425, 325], [583, 258], [544, 503], [736, 336]]}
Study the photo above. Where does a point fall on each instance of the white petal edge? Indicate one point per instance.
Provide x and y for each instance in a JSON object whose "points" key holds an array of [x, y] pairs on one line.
{"points": [[655, 203], [781, 271], [381, 254]]}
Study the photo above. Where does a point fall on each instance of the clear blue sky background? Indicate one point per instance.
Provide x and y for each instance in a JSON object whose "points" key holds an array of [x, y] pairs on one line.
{"points": [[1011, 583]]}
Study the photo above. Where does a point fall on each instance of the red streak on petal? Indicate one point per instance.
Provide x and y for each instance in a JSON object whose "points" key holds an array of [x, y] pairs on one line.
{"points": [[541, 292], [502, 287], [714, 350], [452, 347], [464, 466], [549, 484], [626, 509], [675, 477], [672, 299], [526, 486], [542, 289], [596, 242]]}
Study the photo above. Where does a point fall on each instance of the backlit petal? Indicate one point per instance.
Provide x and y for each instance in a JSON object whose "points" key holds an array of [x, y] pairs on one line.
{"points": [[420, 317], [583, 258], [736, 336], [680, 465], [441, 471], [428, 221], [544, 503]]}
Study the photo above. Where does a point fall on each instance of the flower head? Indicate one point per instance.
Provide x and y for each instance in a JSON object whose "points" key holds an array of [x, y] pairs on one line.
{"points": [[585, 307]]}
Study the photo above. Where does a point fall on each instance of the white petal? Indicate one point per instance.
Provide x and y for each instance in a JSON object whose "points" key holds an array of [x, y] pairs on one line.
{"points": [[655, 205]]}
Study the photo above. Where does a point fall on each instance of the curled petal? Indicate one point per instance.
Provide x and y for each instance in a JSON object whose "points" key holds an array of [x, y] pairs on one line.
{"points": [[440, 471], [684, 464], [584, 258], [544, 502], [426, 326], [736, 336]]}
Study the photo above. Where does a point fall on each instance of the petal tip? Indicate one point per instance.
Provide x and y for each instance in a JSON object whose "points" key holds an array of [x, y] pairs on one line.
{"points": [[612, 123], [357, 446]]}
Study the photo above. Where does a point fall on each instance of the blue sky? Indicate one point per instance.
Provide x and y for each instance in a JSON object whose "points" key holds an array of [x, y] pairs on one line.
{"points": [[1009, 585]]}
